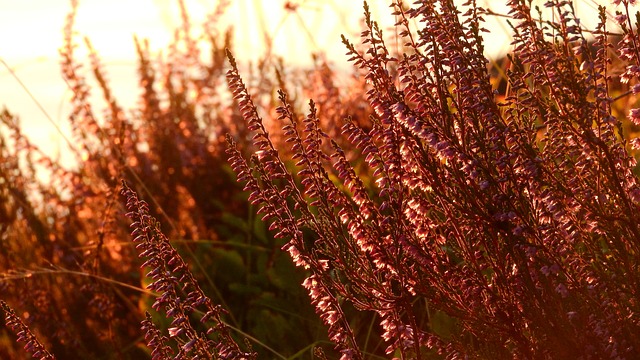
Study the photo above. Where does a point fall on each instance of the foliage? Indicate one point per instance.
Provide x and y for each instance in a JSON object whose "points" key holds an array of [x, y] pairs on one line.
{"points": [[67, 262], [447, 217], [516, 219]]}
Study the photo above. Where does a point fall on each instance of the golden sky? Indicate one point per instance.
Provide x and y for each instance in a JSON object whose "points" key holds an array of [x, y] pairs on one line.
{"points": [[31, 36]]}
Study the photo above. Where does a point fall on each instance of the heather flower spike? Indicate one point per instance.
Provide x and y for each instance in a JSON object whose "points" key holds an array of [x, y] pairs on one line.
{"points": [[180, 296], [31, 343], [156, 341]]}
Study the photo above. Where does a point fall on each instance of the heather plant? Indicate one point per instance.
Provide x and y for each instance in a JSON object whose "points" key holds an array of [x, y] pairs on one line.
{"points": [[171, 278], [25, 335], [516, 220], [67, 265], [425, 210]]}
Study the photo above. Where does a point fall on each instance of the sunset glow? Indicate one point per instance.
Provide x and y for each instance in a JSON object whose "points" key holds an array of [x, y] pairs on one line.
{"points": [[35, 26], [33, 34], [288, 179]]}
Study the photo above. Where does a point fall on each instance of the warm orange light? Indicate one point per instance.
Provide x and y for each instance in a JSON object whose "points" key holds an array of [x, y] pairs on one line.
{"points": [[32, 33]]}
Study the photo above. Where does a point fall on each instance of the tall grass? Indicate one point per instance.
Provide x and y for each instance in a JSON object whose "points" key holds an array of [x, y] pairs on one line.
{"points": [[432, 206]]}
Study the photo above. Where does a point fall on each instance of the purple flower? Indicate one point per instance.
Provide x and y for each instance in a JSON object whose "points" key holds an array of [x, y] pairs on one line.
{"points": [[634, 116]]}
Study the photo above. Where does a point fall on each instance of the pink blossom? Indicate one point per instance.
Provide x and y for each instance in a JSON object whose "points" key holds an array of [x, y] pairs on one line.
{"points": [[634, 116]]}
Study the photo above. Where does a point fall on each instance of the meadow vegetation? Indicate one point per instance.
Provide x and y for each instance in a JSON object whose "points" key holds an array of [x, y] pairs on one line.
{"points": [[430, 205]]}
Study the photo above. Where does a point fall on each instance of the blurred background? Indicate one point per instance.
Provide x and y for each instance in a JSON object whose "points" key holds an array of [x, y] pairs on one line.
{"points": [[32, 33]]}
